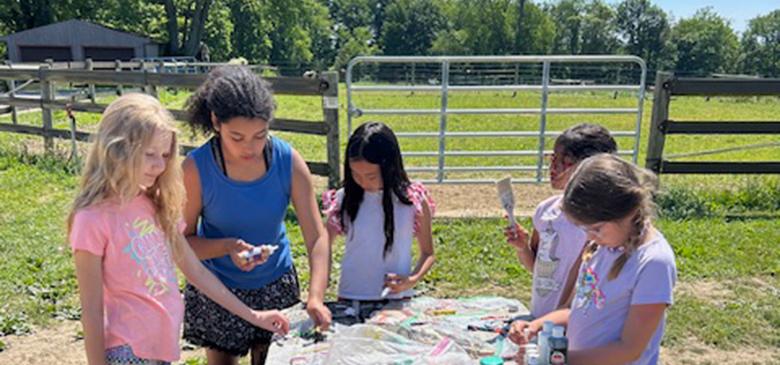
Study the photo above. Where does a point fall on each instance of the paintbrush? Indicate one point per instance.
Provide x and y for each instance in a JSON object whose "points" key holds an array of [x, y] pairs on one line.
{"points": [[507, 198]]}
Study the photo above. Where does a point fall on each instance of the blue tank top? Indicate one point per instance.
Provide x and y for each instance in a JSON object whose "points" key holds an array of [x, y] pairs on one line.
{"points": [[253, 211]]}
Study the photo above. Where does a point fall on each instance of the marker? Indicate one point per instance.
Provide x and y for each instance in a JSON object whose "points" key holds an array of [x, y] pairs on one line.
{"points": [[439, 312]]}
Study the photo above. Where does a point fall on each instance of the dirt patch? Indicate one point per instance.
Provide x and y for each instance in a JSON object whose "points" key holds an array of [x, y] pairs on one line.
{"points": [[714, 292], [475, 200], [693, 352], [59, 344], [719, 293]]}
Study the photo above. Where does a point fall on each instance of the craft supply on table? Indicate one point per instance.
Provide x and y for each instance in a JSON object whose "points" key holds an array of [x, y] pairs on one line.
{"points": [[402, 331]]}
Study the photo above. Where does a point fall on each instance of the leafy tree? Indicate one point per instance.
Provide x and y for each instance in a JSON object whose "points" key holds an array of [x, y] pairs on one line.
{"points": [[761, 46], [356, 43], [646, 31], [705, 44], [410, 27]]}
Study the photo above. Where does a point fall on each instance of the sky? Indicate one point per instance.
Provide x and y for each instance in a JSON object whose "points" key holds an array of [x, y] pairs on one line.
{"points": [[738, 11]]}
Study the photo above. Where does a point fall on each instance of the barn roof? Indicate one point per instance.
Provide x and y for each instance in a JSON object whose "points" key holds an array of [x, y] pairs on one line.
{"points": [[79, 23]]}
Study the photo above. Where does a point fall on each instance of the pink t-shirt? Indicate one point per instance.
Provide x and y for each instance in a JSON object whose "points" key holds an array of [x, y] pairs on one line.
{"points": [[560, 245], [143, 307]]}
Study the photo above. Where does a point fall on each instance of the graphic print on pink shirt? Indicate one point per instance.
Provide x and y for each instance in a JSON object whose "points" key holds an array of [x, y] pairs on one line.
{"points": [[149, 250]]}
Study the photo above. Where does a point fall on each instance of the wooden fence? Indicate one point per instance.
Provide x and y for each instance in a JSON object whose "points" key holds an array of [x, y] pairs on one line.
{"points": [[326, 86], [667, 85]]}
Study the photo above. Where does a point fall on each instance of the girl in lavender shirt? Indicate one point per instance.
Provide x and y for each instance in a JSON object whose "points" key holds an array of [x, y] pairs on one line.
{"points": [[555, 248], [628, 271]]}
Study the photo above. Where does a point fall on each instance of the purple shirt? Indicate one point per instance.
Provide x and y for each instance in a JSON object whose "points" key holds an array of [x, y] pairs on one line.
{"points": [[560, 245], [601, 306]]}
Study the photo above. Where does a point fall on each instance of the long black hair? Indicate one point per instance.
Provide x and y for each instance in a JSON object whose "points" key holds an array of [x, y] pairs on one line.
{"points": [[375, 143], [229, 92]]}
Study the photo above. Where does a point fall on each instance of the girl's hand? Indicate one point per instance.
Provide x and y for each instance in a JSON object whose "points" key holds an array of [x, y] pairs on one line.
{"points": [[319, 314], [520, 356], [273, 320], [516, 333], [516, 236], [235, 248], [398, 283]]}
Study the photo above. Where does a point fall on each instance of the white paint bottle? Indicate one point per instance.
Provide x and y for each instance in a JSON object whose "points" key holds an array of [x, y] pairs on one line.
{"points": [[544, 343]]}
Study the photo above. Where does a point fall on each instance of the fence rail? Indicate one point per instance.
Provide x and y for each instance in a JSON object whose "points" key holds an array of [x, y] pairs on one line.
{"points": [[326, 86], [667, 85]]}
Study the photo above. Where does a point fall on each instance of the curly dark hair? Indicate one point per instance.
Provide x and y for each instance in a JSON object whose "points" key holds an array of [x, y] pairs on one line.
{"points": [[229, 92]]}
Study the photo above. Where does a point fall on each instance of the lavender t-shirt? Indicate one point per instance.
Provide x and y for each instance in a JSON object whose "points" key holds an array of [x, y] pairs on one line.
{"points": [[600, 306], [560, 245]]}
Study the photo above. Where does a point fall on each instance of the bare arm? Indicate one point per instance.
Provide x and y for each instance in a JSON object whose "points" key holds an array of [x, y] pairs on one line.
{"points": [[316, 238], [89, 272], [528, 257], [567, 296], [641, 324], [206, 248], [206, 282], [425, 241], [517, 236], [399, 283]]}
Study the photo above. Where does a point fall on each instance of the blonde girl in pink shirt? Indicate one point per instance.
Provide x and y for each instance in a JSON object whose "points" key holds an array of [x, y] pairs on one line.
{"points": [[125, 234]]}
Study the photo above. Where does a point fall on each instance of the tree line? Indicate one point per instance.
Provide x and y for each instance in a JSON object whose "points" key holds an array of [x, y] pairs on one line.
{"points": [[326, 34]]}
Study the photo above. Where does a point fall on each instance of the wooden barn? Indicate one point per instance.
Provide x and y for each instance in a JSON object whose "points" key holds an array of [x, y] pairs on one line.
{"points": [[77, 40]]}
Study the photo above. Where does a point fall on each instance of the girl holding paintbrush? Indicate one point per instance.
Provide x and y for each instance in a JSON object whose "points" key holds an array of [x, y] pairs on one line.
{"points": [[554, 249], [380, 211]]}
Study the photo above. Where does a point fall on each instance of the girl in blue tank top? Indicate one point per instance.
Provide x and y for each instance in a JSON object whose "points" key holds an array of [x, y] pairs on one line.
{"points": [[239, 185]]}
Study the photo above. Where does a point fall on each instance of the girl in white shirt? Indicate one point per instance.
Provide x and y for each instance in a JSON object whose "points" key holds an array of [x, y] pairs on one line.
{"points": [[379, 211]]}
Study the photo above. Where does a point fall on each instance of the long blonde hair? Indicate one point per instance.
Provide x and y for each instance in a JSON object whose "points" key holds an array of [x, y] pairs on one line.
{"points": [[111, 171], [606, 188]]}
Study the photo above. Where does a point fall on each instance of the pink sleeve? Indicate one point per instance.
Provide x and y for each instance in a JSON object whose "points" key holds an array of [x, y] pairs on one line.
{"points": [[417, 193], [182, 226], [88, 233], [330, 206]]}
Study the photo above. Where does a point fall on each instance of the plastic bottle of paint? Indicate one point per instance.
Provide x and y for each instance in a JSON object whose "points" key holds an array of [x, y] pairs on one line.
{"points": [[491, 360], [559, 347], [530, 350], [533, 359], [544, 343]]}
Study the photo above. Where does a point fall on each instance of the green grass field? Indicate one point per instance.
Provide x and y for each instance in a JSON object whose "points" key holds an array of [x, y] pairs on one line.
{"points": [[725, 230]]}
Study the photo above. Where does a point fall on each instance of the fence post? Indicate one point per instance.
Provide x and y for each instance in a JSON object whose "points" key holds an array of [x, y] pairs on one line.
{"points": [[330, 110], [12, 86], [90, 66], [47, 95], [153, 88], [657, 138], [118, 68]]}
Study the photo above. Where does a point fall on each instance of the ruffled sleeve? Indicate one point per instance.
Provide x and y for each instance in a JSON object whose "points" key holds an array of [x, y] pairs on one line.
{"points": [[331, 202], [417, 193]]}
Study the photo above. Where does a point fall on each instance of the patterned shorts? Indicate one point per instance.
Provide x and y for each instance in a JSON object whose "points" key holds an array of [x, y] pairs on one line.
{"points": [[207, 324], [123, 355]]}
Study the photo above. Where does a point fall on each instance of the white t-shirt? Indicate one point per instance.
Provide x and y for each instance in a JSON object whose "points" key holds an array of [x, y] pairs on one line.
{"points": [[560, 245], [601, 306], [363, 267]]}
